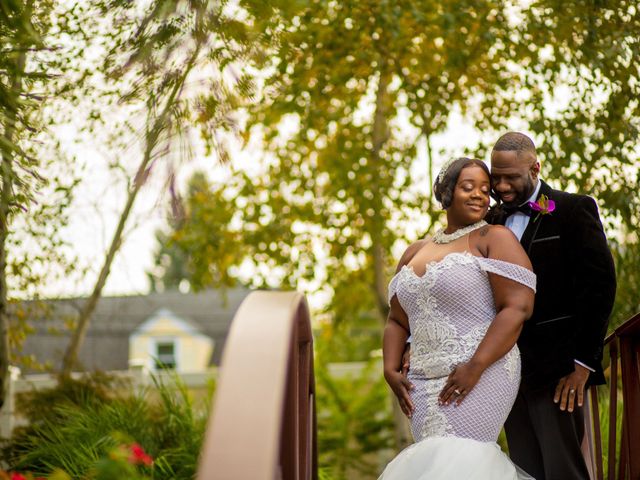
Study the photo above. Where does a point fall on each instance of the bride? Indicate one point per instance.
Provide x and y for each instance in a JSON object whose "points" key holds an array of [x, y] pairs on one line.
{"points": [[463, 296]]}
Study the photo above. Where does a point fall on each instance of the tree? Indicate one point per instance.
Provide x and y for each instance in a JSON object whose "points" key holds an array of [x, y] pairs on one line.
{"points": [[583, 88], [344, 74], [333, 205], [36, 182], [627, 304], [172, 65], [348, 72], [584, 85], [178, 258], [356, 89]]}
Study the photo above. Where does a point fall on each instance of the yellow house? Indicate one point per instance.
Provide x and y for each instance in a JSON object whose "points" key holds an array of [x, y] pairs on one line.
{"points": [[166, 340]]}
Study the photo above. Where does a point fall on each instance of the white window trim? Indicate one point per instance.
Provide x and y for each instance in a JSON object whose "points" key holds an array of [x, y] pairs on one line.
{"points": [[153, 353]]}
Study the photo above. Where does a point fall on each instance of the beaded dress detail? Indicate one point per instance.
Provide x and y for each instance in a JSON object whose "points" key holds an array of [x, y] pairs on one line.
{"points": [[450, 307]]}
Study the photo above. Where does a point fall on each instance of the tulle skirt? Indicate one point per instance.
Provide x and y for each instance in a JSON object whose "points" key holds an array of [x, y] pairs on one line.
{"points": [[449, 458]]}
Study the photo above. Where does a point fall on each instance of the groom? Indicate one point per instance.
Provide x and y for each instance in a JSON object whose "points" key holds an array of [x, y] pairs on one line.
{"points": [[561, 344]]}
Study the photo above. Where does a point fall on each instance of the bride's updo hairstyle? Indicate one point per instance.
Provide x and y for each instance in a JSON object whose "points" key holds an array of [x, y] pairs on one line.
{"points": [[445, 184]]}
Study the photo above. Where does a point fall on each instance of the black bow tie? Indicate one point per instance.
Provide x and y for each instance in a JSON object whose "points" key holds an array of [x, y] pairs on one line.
{"points": [[524, 208]]}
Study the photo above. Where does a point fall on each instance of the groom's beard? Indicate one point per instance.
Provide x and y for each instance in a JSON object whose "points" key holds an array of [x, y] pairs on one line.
{"points": [[521, 195]]}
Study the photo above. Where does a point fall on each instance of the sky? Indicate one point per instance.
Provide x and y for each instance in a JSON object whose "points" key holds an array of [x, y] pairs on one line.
{"points": [[96, 209]]}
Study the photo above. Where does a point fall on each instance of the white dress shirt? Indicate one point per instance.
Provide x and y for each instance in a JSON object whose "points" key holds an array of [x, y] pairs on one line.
{"points": [[517, 222]]}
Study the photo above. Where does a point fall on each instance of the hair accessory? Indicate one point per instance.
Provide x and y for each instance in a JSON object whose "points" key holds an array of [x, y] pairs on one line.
{"points": [[444, 169]]}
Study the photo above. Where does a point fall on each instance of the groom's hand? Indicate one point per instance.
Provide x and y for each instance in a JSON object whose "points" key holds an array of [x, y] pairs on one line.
{"points": [[571, 388], [405, 359], [401, 387]]}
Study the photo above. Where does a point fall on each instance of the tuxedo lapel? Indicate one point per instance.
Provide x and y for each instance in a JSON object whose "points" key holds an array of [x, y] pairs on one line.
{"points": [[530, 233], [535, 221]]}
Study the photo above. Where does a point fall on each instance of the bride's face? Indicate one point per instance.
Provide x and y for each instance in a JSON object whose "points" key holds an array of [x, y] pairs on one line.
{"points": [[471, 195]]}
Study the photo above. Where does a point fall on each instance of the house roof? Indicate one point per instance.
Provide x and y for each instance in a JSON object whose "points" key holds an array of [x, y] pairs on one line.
{"points": [[163, 315], [106, 346]]}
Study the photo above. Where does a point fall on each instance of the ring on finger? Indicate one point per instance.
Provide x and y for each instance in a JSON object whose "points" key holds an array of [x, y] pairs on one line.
{"points": [[457, 392], [572, 390]]}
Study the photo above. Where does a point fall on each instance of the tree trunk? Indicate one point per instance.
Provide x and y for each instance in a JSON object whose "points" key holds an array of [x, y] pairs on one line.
{"points": [[433, 214], [427, 138], [71, 354], [70, 358], [6, 198], [380, 137]]}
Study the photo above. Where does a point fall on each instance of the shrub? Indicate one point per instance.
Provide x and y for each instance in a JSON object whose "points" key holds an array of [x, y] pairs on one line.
{"points": [[355, 427], [79, 423]]}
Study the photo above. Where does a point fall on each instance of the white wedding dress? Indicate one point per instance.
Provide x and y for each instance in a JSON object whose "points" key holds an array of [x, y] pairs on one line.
{"points": [[450, 308]]}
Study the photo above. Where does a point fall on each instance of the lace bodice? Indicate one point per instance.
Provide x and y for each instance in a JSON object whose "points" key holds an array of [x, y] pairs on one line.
{"points": [[449, 314], [450, 308]]}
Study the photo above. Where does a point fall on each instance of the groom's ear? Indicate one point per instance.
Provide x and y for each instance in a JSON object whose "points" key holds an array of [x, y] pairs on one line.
{"points": [[535, 169]]}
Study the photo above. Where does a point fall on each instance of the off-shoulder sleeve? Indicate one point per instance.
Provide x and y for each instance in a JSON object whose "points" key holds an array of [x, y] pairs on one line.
{"points": [[509, 270], [392, 290]]}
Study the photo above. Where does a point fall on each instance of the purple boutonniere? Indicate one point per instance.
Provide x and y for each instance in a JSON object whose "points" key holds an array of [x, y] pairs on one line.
{"points": [[543, 206]]}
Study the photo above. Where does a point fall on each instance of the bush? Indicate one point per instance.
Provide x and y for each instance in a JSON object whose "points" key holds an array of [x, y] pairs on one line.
{"points": [[355, 426], [81, 422]]}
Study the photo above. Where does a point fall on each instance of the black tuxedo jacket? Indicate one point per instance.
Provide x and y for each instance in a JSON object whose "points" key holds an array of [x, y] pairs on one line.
{"points": [[576, 286]]}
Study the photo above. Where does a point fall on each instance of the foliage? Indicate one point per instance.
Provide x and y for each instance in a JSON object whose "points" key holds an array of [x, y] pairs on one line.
{"points": [[91, 417], [336, 196], [172, 65], [582, 96], [355, 427], [203, 231], [340, 77], [95, 389], [352, 98], [37, 177], [124, 461], [627, 304], [604, 412], [346, 74]]}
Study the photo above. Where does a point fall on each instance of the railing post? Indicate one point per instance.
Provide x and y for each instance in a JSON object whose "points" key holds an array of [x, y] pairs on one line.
{"points": [[597, 435], [624, 352], [308, 465], [629, 347], [290, 429], [613, 408], [622, 465]]}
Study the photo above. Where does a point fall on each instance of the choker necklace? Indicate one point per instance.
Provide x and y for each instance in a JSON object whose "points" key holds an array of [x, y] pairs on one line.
{"points": [[441, 237]]}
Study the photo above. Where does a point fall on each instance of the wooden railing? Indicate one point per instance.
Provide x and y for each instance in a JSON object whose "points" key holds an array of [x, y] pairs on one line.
{"points": [[624, 352], [263, 422]]}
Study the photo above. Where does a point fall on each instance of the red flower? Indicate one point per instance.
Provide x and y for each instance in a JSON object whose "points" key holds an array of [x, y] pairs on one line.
{"points": [[18, 476], [139, 456]]}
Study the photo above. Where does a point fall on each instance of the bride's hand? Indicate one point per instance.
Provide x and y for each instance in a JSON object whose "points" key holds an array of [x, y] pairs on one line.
{"points": [[459, 383], [401, 387]]}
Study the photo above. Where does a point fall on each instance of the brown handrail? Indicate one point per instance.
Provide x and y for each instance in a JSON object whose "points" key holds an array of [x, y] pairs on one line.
{"points": [[624, 353], [263, 423]]}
